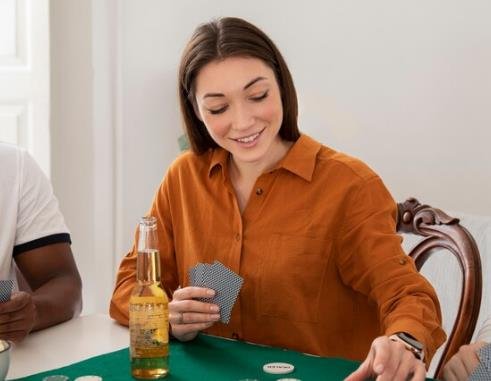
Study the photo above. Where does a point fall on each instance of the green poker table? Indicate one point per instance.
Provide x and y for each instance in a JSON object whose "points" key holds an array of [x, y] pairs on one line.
{"points": [[210, 358]]}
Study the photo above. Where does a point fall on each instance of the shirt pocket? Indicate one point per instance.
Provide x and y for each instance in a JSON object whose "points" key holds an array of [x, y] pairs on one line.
{"points": [[292, 276]]}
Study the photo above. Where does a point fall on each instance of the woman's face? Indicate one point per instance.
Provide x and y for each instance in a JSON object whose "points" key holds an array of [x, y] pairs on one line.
{"points": [[239, 101]]}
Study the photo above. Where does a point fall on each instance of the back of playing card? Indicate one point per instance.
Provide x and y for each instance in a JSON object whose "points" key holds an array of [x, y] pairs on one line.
{"points": [[227, 285], [220, 278], [6, 287]]}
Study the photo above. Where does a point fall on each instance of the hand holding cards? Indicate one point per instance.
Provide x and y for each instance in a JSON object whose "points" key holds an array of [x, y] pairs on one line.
{"points": [[17, 312], [220, 278]]}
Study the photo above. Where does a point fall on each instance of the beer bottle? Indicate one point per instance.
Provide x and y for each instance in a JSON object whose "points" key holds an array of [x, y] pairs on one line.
{"points": [[148, 309]]}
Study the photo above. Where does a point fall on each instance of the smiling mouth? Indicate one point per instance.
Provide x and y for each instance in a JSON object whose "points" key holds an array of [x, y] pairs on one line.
{"points": [[250, 138]]}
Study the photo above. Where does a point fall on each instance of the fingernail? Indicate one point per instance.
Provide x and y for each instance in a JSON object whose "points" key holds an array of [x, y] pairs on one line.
{"points": [[215, 317], [379, 368], [210, 292], [214, 308]]}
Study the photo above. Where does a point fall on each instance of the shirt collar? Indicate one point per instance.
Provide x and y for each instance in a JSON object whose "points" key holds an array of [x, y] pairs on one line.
{"points": [[300, 159], [219, 158]]}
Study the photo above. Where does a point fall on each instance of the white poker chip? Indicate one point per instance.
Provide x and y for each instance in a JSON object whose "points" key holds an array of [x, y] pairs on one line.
{"points": [[278, 368], [88, 378]]}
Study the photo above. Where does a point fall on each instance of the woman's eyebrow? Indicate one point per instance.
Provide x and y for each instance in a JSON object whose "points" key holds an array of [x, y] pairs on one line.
{"points": [[249, 84], [212, 95], [253, 82]]}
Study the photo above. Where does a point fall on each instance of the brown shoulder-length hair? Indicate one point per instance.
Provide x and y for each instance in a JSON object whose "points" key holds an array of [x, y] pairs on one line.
{"points": [[219, 39]]}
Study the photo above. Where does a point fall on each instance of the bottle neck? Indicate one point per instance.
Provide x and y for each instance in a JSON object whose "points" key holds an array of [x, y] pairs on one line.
{"points": [[148, 266]]}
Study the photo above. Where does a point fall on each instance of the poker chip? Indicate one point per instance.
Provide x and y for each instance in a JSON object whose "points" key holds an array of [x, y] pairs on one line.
{"points": [[88, 378], [56, 377], [278, 368]]}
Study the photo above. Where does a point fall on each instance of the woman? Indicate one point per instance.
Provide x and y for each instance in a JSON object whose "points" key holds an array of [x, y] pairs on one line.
{"points": [[311, 230]]}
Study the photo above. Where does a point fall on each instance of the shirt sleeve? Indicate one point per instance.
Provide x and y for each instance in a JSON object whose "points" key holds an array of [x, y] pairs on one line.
{"points": [[485, 331], [126, 276], [372, 262], [39, 221]]}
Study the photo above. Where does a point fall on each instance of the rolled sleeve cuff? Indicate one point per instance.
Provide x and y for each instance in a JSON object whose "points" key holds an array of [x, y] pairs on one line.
{"points": [[431, 341]]}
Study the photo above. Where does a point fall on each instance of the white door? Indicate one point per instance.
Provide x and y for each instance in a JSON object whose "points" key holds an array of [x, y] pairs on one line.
{"points": [[24, 76]]}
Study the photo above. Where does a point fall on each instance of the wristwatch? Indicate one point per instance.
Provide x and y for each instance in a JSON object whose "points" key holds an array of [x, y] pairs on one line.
{"points": [[410, 343]]}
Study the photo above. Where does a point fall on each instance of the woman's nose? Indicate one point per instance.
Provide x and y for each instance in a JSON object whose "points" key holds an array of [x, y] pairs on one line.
{"points": [[243, 118]]}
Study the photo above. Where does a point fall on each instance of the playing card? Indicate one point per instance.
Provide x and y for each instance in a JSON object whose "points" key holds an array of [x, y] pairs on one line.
{"points": [[192, 276], [196, 274], [483, 370], [6, 290], [485, 357], [204, 275], [202, 278], [224, 281], [227, 285]]}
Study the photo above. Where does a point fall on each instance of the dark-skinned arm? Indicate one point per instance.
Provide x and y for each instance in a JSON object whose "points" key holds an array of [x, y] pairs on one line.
{"points": [[56, 296]]}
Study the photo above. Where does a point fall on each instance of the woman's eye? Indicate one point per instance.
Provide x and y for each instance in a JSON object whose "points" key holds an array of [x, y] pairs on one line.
{"points": [[260, 97], [218, 110]]}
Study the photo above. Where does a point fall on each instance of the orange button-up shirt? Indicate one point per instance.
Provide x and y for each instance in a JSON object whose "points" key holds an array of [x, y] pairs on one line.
{"points": [[323, 268]]}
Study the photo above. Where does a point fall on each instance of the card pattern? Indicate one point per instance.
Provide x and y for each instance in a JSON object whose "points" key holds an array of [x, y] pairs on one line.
{"points": [[225, 282], [6, 287], [483, 370]]}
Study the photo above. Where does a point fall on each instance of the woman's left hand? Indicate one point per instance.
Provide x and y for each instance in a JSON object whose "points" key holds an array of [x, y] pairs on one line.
{"points": [[389, 360]]}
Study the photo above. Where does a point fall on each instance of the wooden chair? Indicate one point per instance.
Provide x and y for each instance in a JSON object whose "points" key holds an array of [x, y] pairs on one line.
{"points": [[440, 231]]}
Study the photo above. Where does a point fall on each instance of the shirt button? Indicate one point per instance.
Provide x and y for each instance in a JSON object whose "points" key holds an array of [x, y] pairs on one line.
{"points": [[237, 237], [235, 336], [402, 261], [259, 191]]}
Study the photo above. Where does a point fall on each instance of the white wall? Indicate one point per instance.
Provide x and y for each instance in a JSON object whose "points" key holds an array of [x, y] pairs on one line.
{"points": [[405, 86], [82, 139], [71, 132]]}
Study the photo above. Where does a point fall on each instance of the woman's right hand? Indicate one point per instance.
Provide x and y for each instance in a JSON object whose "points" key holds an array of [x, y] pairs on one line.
{"points": [[188, 316]]}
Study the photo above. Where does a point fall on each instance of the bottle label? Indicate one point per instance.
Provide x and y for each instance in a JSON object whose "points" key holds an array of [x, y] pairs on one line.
{"points": [[149, 333]]}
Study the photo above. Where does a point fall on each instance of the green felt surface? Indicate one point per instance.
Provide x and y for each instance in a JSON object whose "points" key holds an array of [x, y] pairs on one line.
{"points": [[212, 359]]}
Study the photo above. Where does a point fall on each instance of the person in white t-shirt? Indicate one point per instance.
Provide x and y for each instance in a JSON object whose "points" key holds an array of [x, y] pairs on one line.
{"points": [[35, 246], [462, 365]]}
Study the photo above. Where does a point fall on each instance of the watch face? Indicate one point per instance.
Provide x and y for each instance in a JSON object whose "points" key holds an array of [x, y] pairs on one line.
{"points": [[411, 341]]}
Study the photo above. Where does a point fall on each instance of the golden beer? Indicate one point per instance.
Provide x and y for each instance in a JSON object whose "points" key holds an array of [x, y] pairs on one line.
{"points": [[148, 310]]}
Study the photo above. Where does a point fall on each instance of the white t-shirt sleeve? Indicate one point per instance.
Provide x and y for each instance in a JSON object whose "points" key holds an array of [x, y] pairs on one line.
{"points": [[485, 331], [39, 221]]}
